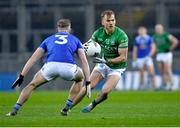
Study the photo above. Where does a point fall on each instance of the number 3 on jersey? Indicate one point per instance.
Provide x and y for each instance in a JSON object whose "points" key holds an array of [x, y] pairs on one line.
{"points": [[62, 39]]}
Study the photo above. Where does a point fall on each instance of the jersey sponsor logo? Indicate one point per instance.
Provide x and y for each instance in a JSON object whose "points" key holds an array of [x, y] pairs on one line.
{"points": [[61, 39]]}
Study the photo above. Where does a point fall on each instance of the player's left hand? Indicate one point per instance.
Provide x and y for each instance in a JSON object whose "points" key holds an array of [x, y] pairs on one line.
{"points": [[99, 60], [88, 89], [18, 81]]}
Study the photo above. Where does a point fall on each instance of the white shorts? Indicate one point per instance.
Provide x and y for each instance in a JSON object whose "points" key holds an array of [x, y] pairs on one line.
{"points": [[107, 71], [146, 61], [52, 70], [164, 57]]}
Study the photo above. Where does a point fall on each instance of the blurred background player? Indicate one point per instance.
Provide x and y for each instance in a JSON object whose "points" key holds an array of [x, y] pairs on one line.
{"points": [[143, 49], [165, 43], [114, 51], [60, 49]]}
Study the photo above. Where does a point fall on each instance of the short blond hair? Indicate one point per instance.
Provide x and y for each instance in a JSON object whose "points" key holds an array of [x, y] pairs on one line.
{"points": [[107, 12]]}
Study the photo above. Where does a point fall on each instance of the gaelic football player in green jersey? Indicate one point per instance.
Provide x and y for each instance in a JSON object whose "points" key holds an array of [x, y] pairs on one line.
{"points": [[114, 51], [165, 43]]}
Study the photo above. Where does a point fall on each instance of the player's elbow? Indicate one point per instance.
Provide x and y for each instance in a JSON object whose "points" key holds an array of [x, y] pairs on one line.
{"points": [[177, 42], [124, 58]]}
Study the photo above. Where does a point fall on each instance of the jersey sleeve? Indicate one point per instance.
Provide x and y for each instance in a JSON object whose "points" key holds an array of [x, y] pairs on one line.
{"points": [[44, 45], [167, 35], [123, 41], [79, 44], [94, 36]]}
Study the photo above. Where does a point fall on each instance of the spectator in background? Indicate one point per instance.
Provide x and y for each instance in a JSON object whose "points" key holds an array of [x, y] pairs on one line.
{"points": [[165, 43], [143, 50]]}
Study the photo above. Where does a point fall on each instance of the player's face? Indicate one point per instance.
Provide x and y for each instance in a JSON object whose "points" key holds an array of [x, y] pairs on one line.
{"points": [[142, 31], [108, 21], [159, 29], [67, 29]]}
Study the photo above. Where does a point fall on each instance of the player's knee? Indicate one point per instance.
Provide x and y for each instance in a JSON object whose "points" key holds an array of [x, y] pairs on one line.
{"points": [[28, 88], [33, 85], [92, 86], [166, 73], [151, 75], [79, 76], [106, 90], [78, 79]]}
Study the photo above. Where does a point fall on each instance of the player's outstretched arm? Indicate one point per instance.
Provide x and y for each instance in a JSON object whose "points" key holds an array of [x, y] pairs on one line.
{"points": [[36, 56], [32, 60]]}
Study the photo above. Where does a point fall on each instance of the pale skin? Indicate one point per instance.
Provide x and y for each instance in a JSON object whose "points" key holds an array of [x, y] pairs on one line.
{"points": [[38, 79], [109, 24], [166, 68], [150, 68]]}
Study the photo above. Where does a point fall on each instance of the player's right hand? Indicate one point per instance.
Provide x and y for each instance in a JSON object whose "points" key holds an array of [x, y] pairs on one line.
{"points": [[88, 89], [18, 81]]}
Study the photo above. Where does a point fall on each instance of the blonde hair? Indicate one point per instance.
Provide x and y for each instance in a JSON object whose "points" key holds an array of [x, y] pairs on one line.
{"points": [[107, 12]]}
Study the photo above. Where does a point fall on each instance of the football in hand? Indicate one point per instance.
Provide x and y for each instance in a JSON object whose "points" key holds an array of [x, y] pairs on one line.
{"points": [[92, 48]]}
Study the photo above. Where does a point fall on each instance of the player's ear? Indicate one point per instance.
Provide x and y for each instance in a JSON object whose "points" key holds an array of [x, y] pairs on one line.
{"points": [[57, 29], [69, 29], [102, 21]]}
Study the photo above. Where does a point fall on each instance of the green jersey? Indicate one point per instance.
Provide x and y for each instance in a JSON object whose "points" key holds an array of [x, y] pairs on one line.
{"points": [[110, 44], [162, 42]]}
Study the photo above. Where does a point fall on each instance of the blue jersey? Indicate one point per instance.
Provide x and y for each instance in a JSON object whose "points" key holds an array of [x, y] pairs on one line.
{"points": [[143, 45], [61, 47]]}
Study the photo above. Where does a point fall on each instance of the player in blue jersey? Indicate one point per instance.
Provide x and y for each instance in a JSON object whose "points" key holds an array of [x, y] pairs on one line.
{"points": [[143, 50], [60, 49]]}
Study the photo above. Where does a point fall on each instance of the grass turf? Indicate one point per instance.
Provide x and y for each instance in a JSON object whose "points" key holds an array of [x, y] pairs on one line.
{"points": [[121, 109]]}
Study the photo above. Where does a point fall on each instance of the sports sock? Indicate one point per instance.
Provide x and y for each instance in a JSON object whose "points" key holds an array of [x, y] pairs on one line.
{"points": [[94, 103], [69, 103], [103, 97], [16, 107]]}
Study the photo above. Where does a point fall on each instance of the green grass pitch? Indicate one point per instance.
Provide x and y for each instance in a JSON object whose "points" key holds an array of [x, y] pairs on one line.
{"points": [[121, 109]]}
